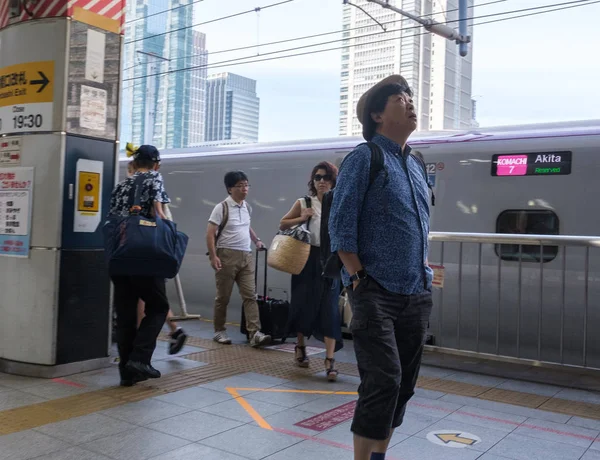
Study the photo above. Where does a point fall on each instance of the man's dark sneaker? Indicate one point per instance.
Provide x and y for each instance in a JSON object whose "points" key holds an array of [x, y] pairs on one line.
{"points": [[129, 378], [177, 341], [144, 369], [129, 382]]}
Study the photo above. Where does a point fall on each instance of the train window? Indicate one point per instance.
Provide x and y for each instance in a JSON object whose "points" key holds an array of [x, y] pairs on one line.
{"points": [[533, 222]]}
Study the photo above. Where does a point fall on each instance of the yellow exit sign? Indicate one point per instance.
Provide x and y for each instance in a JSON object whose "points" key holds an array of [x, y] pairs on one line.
{"points": [[27, 83]]}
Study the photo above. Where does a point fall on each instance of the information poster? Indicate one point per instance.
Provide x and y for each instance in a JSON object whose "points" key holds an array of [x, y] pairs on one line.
{"points": [[10, 151], [95, 56], [93, 108], [16, 192]]}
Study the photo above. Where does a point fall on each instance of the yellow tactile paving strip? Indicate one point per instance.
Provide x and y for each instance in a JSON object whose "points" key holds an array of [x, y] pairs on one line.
{"points": [[577, 408], [227, 361], [25, 418], [516, 398]]}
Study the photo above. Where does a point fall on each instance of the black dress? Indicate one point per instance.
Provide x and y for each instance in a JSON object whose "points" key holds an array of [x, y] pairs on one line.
{"points": [[314, 305]]}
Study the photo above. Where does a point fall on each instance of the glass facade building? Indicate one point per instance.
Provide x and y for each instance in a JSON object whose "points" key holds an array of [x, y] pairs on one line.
{"points": [[439, 77], [232, 108], [163, 106]]}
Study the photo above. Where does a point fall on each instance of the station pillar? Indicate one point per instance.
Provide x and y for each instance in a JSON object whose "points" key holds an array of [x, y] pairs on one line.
{"points": [[60, 66]]}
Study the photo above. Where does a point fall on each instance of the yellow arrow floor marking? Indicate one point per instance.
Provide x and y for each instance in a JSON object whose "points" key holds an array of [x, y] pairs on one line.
{"points": [[455, 437]]}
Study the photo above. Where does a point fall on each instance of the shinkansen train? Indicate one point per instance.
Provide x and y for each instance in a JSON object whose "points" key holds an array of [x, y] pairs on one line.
{"points": [[533, 179]]}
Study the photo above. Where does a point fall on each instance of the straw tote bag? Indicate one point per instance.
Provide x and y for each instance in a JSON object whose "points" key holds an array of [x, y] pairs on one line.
{"points": [[290, 248]]}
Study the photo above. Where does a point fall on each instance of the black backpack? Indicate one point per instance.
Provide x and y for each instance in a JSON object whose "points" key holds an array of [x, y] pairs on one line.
{"points": [[330, 261]]}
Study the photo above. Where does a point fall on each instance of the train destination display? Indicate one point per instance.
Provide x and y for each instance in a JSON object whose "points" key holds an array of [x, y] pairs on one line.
{"points": [[532, 164]]}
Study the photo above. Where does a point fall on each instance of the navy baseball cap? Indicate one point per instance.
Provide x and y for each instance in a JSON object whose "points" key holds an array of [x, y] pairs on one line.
{"points": [[147, 152]]}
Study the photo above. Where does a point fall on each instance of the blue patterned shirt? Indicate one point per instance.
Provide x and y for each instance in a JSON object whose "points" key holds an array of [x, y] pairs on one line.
{"points": [[388, 225]]}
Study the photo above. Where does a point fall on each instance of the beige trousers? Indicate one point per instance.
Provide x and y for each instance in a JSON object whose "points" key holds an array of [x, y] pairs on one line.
{"points": [[236, 267]]}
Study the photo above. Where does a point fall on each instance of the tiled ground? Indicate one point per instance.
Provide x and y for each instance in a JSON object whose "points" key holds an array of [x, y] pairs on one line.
{"points": [[206, 422]]}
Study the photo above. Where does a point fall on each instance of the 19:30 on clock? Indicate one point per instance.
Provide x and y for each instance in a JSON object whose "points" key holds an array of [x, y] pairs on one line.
{"points": [[28, 121]]}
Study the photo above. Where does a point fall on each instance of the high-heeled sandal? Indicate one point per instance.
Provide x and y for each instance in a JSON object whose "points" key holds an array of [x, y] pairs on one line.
{"points": [[302, 360], [331, 372]]}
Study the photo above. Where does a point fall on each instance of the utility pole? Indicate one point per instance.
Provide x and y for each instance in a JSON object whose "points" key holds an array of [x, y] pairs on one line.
{"points": [[150, 121], [150, 117], [462, 27], [461, 37]]}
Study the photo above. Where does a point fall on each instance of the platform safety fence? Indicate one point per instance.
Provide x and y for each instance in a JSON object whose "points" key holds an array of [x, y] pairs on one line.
{"points": [[525, 298]]}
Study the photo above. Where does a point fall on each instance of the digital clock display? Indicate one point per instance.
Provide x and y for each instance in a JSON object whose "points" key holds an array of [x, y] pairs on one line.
{"points": [[532, 164], [28, 121]]}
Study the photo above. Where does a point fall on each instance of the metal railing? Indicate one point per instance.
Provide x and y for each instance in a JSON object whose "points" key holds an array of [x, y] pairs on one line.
{"points": [[538, 306]]}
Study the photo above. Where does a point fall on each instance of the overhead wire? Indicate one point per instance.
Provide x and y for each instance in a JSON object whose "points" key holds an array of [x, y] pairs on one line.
{"points": [[241, 13], [250, 59], [322, 34], [216, 65], [163, 12]]}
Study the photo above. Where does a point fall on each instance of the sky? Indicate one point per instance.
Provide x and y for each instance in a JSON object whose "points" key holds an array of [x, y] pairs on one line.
{"points": [[535, 69]]}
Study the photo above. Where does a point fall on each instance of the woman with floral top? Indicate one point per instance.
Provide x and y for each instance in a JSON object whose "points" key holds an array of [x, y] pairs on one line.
{"points": [[136, 345]]}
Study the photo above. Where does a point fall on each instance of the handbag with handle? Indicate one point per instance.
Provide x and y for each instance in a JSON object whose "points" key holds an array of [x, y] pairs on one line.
{"points": [[141, 246], [290, 248]]}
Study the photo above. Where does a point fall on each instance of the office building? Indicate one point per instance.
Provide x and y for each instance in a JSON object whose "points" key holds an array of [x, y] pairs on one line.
{"points": [[232, 108], [439, 77], [163, 106]]}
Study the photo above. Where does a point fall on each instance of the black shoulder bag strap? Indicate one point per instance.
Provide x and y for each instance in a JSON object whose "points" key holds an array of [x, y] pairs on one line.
{"points": [[136, 207], [377, 164], [308, 201], [422, 163], [222, 224], [223, 220]]}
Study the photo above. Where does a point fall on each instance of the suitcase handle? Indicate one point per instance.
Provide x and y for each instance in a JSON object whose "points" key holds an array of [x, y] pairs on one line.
{"points": [[256, 271]]}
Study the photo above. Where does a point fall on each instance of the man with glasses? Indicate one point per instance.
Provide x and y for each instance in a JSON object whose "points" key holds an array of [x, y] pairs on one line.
{"points": [[229, 237]]}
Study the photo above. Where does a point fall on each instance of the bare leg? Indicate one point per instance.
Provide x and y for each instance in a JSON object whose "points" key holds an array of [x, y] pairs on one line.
{"points": [[172, 324], [177, 336], [330, 346], [330, 370], [141, 311], [364, 447], [300, 352]]}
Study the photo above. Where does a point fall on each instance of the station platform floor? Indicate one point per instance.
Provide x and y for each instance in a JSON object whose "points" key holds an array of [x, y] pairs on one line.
{"points": [[232, 402]]}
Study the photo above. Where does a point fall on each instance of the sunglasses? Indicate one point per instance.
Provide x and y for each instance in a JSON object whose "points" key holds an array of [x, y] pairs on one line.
{"points": [[318, 177]]}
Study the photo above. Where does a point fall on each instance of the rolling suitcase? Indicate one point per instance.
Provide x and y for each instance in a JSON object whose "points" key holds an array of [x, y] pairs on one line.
{"points": [[274, 313]]}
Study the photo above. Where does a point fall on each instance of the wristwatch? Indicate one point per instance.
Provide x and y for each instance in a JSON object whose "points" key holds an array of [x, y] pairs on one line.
{"points": [[359, 275]]}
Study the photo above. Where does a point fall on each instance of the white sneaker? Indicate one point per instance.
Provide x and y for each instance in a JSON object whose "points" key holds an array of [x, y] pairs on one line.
{"points": [[222, 338], [259, 339]]}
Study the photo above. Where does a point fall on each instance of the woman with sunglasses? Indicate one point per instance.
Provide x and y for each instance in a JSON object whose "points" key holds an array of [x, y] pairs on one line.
{"points": [[314, 305]]}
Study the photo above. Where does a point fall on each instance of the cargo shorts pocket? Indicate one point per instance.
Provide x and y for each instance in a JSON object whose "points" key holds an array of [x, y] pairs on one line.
{"points": [[358, 325]]}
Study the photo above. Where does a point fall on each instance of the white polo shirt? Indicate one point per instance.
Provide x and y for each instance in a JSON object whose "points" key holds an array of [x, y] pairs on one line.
{"points": [[236, 234]]}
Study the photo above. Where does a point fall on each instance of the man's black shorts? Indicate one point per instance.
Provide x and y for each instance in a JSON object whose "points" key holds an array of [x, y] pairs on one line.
{"points": [[389, 332]]}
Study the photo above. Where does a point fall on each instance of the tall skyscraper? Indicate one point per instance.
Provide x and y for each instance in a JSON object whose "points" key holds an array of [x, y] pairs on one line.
{"points": [[439, 77], [232, 108], [163, 106]]}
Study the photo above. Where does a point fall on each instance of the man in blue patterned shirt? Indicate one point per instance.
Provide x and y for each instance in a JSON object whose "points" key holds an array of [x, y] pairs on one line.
{"points": [[380, 232]]}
